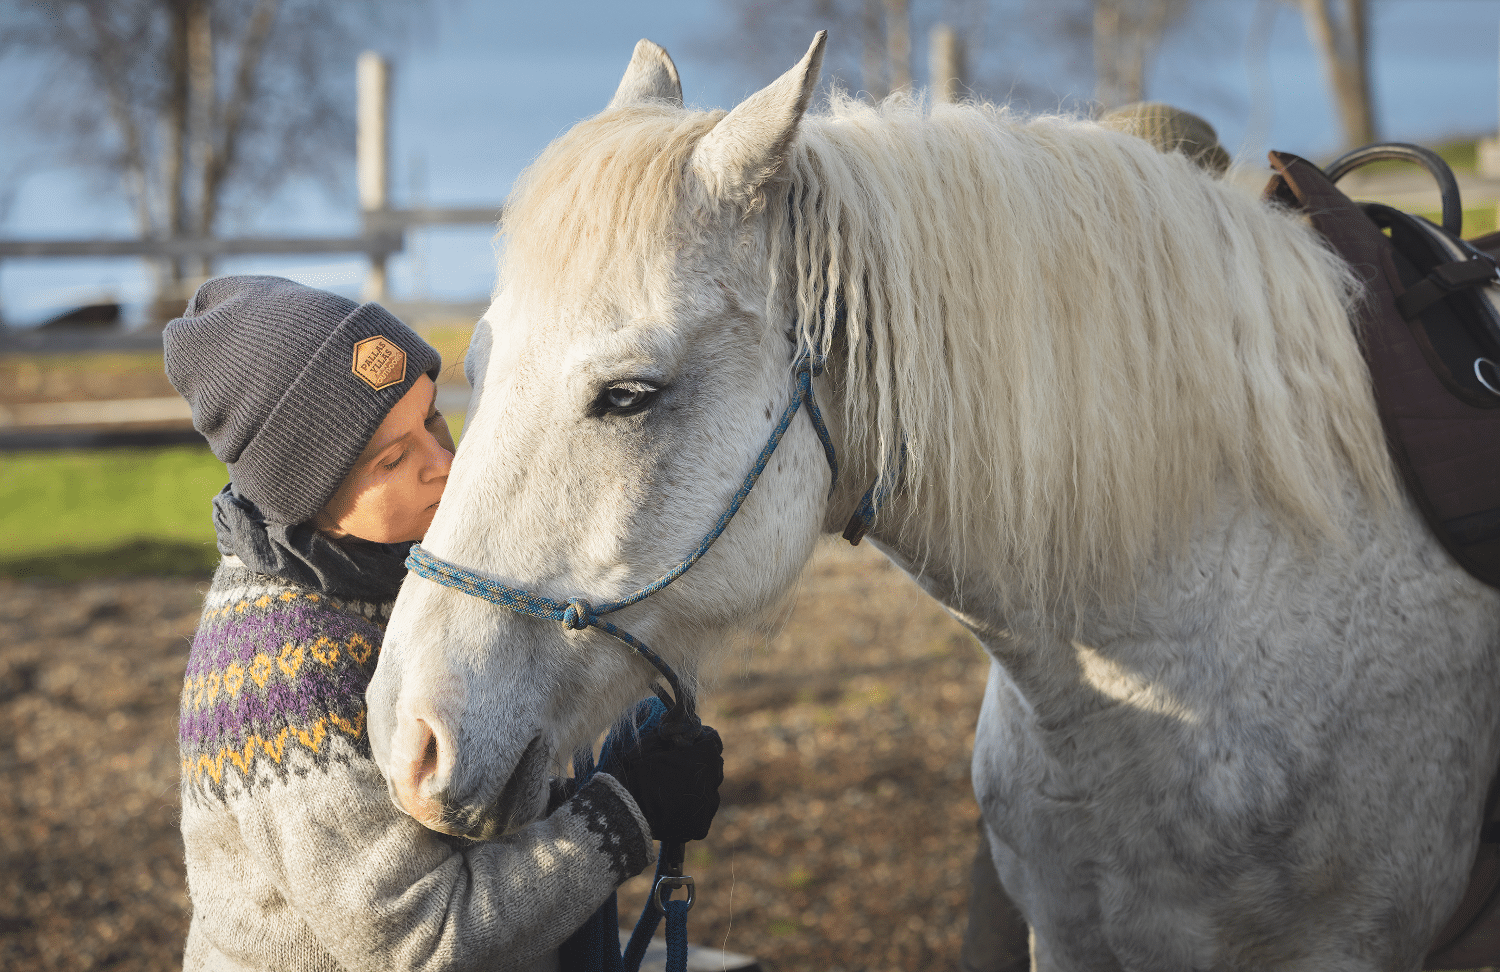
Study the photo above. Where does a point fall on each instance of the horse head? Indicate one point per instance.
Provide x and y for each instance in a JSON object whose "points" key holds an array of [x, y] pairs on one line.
{"points": [[636, 354]]}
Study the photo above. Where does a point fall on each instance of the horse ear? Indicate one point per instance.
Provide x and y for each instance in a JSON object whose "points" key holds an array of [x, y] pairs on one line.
{"points": [[748, 146], [651, 76]]}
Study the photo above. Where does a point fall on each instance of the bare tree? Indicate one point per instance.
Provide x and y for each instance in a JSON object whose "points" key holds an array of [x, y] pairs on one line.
{"points": [[193, 105], [1126, 36], [1339, 29], [1114, 40], [870, 47]]}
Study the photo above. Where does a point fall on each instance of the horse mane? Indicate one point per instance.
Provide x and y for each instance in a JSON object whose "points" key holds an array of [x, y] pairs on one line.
{"points": [[1061, 342], [1058, 343]]}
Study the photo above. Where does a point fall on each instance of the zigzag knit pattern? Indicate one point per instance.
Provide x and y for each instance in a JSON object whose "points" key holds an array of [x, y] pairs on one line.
{"points": [[275, 678]]}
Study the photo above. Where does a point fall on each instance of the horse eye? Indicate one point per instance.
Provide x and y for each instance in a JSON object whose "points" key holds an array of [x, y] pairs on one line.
{"points": [[624, 397]]}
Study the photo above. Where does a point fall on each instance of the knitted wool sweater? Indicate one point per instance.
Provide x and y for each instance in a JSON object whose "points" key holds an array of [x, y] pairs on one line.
{"points": [[297, 858]]}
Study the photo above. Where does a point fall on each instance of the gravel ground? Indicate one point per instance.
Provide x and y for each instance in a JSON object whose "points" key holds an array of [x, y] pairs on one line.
{"points": [[90, 858], [844, 840]]}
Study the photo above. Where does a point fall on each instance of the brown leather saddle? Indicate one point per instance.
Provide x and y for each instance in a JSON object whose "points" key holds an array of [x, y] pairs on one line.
{"points": [[1430, 331]]}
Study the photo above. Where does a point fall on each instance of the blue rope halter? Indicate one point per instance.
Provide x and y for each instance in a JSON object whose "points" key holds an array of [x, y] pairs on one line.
{"points": [[576, 613]]}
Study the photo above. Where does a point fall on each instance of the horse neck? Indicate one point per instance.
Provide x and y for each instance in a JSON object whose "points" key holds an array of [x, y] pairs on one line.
{"points": [[1239, 578]]}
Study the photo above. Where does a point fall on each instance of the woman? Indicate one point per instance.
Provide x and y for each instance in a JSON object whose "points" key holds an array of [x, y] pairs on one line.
{"points": [[297, 857]]}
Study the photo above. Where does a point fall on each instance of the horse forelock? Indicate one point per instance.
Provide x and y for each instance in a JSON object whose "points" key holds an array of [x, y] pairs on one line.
{"points": [[1063, 344], [597, 213]]}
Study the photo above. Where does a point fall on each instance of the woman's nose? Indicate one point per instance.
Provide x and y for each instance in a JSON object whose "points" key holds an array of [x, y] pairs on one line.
{"points": [[439, 461]]}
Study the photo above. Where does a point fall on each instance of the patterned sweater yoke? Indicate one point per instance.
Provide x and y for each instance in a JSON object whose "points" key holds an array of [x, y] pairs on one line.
{"points": [[273, 666], [297, 858]]}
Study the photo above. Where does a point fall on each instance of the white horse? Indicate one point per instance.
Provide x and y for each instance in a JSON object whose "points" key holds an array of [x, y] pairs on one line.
{"points": [[1242, 708]]}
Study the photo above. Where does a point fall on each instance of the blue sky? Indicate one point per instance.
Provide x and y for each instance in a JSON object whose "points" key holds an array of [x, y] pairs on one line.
{"points": [[484, 86]]}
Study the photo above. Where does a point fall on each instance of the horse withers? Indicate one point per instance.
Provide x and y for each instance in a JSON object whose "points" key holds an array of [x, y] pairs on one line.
{"points": [[1241, 711]]}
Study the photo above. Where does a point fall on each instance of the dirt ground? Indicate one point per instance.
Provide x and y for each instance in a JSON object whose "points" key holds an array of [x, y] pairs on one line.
{"points": [[844, 840]]}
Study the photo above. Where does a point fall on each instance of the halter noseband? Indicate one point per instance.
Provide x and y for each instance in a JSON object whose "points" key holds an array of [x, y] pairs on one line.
{"points": [[577, 613]]}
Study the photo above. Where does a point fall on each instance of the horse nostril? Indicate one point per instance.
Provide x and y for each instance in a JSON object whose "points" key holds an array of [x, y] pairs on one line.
{"points": [[417, 772], [429, 762]]}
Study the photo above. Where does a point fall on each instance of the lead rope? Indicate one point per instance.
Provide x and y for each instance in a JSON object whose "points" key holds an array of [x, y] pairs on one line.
{"points": [[676, 912], [595, 947]]}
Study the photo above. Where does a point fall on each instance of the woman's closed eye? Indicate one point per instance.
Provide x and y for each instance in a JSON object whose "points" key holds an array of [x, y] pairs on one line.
{"points": [[391, 466]]}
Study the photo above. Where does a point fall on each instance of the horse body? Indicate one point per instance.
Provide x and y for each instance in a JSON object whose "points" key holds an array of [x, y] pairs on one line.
{"points": [[1241, 709], [1248, 772]]}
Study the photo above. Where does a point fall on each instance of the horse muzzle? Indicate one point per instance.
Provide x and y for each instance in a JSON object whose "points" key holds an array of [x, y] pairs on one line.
{"points": [[427, 781]]}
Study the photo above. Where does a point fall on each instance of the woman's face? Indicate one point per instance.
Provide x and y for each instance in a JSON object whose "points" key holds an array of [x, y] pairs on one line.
{"points": [[393, 490]]}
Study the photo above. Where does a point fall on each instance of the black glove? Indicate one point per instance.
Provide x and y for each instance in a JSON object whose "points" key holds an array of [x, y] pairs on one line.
{"points": [[673, 772]]}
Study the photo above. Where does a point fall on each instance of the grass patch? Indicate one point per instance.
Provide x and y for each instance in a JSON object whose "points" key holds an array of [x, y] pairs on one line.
{"points": [[451, 341], [91, 375], [133, 558], [108, 512], [1461, 156], [1478, 220]]}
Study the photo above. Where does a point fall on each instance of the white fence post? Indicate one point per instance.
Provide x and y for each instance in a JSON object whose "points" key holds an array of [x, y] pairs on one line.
{"points": [[945, 63], [372, 154]]}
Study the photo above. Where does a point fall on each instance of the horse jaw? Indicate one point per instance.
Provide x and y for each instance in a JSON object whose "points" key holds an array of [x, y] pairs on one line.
{"points": [[748, 147], [650, 76]]}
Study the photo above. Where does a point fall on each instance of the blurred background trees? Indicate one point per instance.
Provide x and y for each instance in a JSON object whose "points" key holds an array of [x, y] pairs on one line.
{"points": [[194, 109], [1117, 41], [1126, 36]]}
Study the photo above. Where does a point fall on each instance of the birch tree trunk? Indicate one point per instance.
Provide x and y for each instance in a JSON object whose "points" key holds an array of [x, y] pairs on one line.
{"points": [[947, 73], [898, 42], [1127, 34], [1339, 30]]}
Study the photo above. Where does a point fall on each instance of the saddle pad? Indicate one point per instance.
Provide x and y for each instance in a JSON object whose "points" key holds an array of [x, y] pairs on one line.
{"points": [[1445, 442]]}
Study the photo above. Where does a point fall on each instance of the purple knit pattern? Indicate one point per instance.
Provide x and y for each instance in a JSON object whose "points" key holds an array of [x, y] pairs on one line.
{"points": [[281, 672]]}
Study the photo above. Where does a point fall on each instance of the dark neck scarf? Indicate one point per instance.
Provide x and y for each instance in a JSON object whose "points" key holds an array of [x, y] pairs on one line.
{"points": [[351, 568]]}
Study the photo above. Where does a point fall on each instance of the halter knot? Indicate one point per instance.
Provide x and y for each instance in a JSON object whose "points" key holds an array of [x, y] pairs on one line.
{"points": [[810, 363], [579, 614]]}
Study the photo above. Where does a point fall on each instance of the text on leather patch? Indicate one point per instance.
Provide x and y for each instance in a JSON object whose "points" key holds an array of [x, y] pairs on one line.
{"points": [[379, 363]]}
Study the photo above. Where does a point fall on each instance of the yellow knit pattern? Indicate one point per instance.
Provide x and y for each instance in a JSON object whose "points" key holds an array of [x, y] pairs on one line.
{"points": [[215, 686], [311, 737]]}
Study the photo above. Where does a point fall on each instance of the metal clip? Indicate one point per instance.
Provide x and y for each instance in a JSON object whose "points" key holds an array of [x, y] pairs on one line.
{"points": [[1494, 369], [668, 883]]}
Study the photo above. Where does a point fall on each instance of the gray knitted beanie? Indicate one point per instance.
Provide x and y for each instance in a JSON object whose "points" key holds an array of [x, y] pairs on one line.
{"points": [[289, 383]]}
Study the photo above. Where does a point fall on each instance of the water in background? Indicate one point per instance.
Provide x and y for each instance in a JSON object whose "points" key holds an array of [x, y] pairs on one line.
{"points": [[496, 82]]}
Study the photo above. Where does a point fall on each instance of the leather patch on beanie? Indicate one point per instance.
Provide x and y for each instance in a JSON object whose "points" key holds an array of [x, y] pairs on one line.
{"points": [[379, 363]]}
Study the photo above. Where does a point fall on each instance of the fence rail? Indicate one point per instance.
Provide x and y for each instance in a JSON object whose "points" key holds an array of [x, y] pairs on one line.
{"points": [[384, 232]]}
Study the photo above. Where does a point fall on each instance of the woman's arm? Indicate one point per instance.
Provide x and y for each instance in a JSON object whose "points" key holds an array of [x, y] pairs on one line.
{"points": [[379, 891]]}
